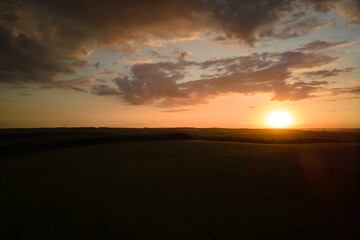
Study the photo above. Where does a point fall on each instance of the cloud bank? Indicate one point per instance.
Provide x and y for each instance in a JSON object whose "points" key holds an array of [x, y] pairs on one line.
{"points": [[41, 40]]}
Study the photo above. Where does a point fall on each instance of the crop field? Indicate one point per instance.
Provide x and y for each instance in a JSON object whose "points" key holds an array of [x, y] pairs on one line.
{"points": [[180, 189]]}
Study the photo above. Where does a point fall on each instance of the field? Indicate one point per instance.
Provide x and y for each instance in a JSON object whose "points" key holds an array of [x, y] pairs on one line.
{"points": [[178, 184]]}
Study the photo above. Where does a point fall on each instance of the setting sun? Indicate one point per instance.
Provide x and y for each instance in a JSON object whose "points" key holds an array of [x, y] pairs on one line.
{"points": [[279, 119]]}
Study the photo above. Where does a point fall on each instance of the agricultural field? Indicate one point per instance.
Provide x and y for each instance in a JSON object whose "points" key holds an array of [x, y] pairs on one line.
{"points": [[172, 186]]}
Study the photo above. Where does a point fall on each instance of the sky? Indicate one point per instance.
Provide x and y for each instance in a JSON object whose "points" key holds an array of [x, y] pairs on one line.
{"points": [[179, 63]]}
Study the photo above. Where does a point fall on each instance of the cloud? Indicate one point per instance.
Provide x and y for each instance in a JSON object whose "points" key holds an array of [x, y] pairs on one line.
{"points": [[109, 73], [104, 90], [300, 28], [300, 60], [43, 40], [350, 90], [97, 65], [327, 73], [350, 9], [24, 59], [321, 45], [342, 98], [152, 81], [159, 55], [9, 17], [78, 84], [26, 94], [165, 83], [249, 21], [234, 64], [101, 80], [137, 60], [183, 55], [176, 110], [176, 54]]}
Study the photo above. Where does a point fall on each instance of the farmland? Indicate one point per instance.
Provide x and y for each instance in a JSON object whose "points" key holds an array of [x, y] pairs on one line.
{"points": [[173, 185]]}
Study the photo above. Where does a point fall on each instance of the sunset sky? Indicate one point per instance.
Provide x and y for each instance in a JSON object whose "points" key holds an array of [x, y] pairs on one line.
{"points": [[179, 63]]}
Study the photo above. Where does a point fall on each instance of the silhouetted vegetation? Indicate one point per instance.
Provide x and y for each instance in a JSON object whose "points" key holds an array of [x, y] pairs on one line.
{"points": [[17, 141]]}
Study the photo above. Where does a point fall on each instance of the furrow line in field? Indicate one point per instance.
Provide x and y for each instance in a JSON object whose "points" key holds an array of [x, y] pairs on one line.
{"points": [[56, 221]]}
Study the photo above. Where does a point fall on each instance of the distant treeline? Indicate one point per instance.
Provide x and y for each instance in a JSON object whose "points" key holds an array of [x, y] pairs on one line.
{"points": [[271, 141], [69, 143], [13, 143]]}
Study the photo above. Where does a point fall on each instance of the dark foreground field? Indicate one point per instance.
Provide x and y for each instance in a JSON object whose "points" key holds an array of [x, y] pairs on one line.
{"points": [[180, 189]]}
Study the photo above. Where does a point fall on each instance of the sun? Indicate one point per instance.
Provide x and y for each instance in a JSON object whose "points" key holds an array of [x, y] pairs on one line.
{"points": [[279, 119]]}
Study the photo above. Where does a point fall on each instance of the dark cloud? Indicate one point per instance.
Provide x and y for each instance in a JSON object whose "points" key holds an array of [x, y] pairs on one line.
{"points": [[321, 45], [10, 17], [248, 21], [290, 27], [152, 81], [97, 65], [24, 59], [165, 84], [41, 40], [104, 90], [327, 73]]}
